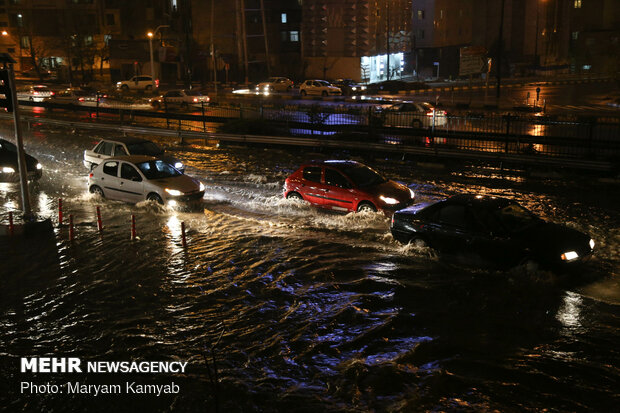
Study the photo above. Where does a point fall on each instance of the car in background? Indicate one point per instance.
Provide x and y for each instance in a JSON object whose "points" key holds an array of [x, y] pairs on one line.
{"points": [[123, 146], [349, 86], [275, 84], [318, 87], [412, 114], [9, 170], [74, 96], [346, 186], [138, 178], [181, 97], [493, 228], [138, 83], [35, 93]]}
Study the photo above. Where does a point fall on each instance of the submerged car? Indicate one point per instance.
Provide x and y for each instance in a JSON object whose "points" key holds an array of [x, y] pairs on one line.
{"points": [[346, 186], [9, 170], [35, 93], [123, 146], [137, 178], [495, 229], [413, 114], [275, 84], [319, 87], [349, 86], [182, 97]]}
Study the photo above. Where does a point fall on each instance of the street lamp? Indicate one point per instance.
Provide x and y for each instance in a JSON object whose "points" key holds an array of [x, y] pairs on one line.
{"points": [[150, 36]]}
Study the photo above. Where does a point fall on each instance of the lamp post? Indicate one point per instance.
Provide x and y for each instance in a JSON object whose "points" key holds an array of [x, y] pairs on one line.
{"points": [[536, 37], [150, 36]]}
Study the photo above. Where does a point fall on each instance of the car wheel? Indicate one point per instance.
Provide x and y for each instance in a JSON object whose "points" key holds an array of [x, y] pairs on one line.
{"points": [[148, 88], [156, 105], [419, 242], [295, 196], [366, 207], [31, 99], [324, 93], [155, 197], [97, 191], [303, 93], [530, 264], [416, 123], [124, 88]]}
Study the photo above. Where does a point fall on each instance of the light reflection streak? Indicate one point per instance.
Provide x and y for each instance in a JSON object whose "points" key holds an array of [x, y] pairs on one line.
{"points": [[569, 313]]}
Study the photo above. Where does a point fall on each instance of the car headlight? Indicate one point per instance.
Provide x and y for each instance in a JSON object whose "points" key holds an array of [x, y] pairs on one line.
{"points": [[178, 165], [388, 200], [363, 88], [569, 256], [202, 187], [591, 244], [39, 166], [174, 192], [118, 83], [412, 193], [353, 88], [8, 170]]}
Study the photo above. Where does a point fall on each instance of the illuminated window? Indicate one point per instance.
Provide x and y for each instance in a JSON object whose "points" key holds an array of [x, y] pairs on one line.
{"points": [[283, 18], [294, 36], [575, 35], [25, 42], [420, 14], [441, 14], [577, 4]]}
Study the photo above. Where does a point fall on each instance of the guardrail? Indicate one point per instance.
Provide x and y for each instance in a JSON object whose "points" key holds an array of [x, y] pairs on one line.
{"points": [[591, 141]]}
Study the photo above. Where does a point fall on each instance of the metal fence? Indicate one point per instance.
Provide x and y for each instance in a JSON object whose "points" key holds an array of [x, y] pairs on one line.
{"points": [[562, 136]]}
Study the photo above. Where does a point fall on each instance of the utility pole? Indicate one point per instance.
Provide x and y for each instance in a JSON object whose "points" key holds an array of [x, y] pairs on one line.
{"points": [[387, 23], [213, 49], [500, 51]]}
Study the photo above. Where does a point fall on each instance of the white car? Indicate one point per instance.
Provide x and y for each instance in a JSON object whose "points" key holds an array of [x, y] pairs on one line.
{"points": [[138, 83], [413, 114], [318, 87], [35, 93], [181, 97], [75, 97], [138, 178], [275, 84], [123, 146]]}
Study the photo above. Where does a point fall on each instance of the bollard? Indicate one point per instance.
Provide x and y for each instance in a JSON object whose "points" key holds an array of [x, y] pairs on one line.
{"points": [[71, 234], [11, 227], [183, 235], [59, 212], [99, 224], [133, 227]]}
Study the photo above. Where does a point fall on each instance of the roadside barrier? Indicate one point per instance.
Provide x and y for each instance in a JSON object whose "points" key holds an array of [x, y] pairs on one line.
{"points": [[99, 223], [133, 227], [59, 212], [12, 227], [71, 230]]}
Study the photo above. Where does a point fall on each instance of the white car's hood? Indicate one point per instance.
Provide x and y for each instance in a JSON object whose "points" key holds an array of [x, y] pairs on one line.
{"points": [[181, 183]]}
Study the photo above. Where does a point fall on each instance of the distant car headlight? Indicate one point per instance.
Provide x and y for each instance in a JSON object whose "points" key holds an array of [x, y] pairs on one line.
{"points": [[412, 193], [388, 200], [202, 187], [569, 256], [591, 244], [8, 170], [39, 166], [363, 88], [173, 192], [353, 88], [118, 83], [178, 165]]}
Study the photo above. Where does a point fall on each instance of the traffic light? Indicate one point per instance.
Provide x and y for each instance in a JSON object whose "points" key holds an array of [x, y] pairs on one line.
{"points": [[6, 94]]}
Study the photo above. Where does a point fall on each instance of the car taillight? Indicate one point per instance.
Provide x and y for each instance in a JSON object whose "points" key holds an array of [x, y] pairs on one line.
{"points": [[207, 98], [195, 99], [429, 114], [52, 93], [90, 175], [35, 93], [80, 99]]}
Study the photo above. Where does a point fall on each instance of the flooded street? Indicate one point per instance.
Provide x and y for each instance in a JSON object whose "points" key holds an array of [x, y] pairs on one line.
{"points": [[304, 310]]}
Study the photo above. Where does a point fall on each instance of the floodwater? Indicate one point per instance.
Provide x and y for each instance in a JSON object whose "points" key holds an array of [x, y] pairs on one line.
{"points": [[280, 307]]}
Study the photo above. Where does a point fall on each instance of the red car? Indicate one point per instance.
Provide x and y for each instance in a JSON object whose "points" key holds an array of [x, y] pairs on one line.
{"points": [[346, 186]]}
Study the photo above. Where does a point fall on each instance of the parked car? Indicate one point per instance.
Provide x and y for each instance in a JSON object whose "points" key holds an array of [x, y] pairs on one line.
{"points": [[275, 84], [182, 97], [318, 87], [123, 146], [34, 93], [138, 83], [74, 96], [346, 186], [9, 170], [496, 229], [413, 114], [349, 86], [137, 178]]}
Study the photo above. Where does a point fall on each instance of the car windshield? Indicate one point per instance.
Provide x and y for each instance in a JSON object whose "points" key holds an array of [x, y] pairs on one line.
{"points": [[323, 83], [271, 80], [157, 169], [515, 218], [7, 145], [193, 93], [363, 176], [144, 148], [40, 88]]}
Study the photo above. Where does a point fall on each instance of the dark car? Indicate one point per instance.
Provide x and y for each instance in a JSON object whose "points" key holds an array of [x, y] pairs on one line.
{"points": [[349, 86], [9, 171], [496, 229], [346, 186]]}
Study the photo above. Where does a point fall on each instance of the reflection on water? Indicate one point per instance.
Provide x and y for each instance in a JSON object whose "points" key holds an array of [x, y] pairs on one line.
{"points": [[310, 308]]}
